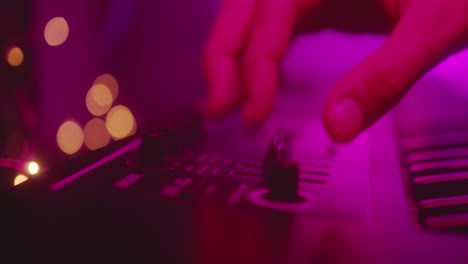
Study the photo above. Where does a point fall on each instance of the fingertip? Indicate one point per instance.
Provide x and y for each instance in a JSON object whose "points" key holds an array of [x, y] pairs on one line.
{"points": [[344, 120], [223, 84]]}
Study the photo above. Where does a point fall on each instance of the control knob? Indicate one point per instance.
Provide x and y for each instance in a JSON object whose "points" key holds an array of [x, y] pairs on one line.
{"points": [[282, 180]]}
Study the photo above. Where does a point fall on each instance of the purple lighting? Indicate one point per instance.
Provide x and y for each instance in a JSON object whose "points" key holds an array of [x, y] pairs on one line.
{"points": [[134, 144]]}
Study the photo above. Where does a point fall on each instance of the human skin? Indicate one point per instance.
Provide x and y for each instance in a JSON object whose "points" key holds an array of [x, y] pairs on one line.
{"points": [[250, 38]]}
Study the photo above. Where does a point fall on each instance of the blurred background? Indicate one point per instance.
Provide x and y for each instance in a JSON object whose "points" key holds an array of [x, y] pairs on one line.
{"points": [[79, 75]]}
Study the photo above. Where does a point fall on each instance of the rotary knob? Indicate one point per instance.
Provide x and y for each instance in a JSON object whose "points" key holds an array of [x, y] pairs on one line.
{"points": [[279, 147], [282, 179]]}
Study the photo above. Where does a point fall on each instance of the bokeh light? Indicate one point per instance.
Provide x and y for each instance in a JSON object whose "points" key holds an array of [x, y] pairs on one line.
{"points": [[120, 122], [110, 82], [95, 134], [33, 167], [70, 137], [99, 99], [56, 31], [20, 178], [15, 56]]}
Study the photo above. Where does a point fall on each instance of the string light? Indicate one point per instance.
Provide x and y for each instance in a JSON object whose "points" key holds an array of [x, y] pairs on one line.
{"points": [[120, 122], [95, 134], [15, 56], [19, 179], [70, 137], [56, 31], [33, 168], [99, 100], [110, 82]]}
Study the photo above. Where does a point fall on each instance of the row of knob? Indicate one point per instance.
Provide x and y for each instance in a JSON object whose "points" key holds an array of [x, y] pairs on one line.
{"points": [[281, 174]]}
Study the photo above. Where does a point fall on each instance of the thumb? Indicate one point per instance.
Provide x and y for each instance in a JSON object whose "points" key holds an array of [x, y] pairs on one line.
{"points": [[420, 40]]}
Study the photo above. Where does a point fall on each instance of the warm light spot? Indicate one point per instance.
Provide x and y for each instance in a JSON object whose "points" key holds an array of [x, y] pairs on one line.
{"points": [[120, 122], [15, 56], [19, 179], [109, 81], [70, 137], [33, 168], [99, 100], [56, 31], [95, 134]]}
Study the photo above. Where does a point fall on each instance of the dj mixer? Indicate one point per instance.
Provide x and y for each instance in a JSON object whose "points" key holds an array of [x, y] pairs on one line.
{"points": [[173, 181], [190, 191]]}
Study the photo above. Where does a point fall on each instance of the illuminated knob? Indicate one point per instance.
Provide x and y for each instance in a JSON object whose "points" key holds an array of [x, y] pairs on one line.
{"points": [[282, 178], [156, 146]]}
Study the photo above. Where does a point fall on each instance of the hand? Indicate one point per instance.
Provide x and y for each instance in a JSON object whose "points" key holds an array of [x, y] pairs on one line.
{"points": [[250, 38]]}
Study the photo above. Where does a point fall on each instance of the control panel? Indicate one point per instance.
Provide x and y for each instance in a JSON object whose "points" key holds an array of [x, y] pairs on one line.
{"points": [[194, 192]]}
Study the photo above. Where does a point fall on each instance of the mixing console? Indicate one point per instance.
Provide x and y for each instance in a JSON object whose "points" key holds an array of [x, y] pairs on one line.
{"points": [[191, 192]]}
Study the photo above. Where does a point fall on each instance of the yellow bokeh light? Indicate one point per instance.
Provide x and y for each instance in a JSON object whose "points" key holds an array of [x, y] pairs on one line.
{"points": [[33, 168], [110, 82], [120, 122], [95, 134], [70, 137], [56, 31], [15, 56], [19, 179], [99, 100]]}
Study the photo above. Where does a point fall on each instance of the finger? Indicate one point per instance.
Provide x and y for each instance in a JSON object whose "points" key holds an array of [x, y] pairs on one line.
{"points": [[225, 44], [269, 40], [422, 38]]}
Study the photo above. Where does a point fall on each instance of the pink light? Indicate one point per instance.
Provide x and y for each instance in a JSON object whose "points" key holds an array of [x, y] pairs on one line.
{"points": [[71, 178]]}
